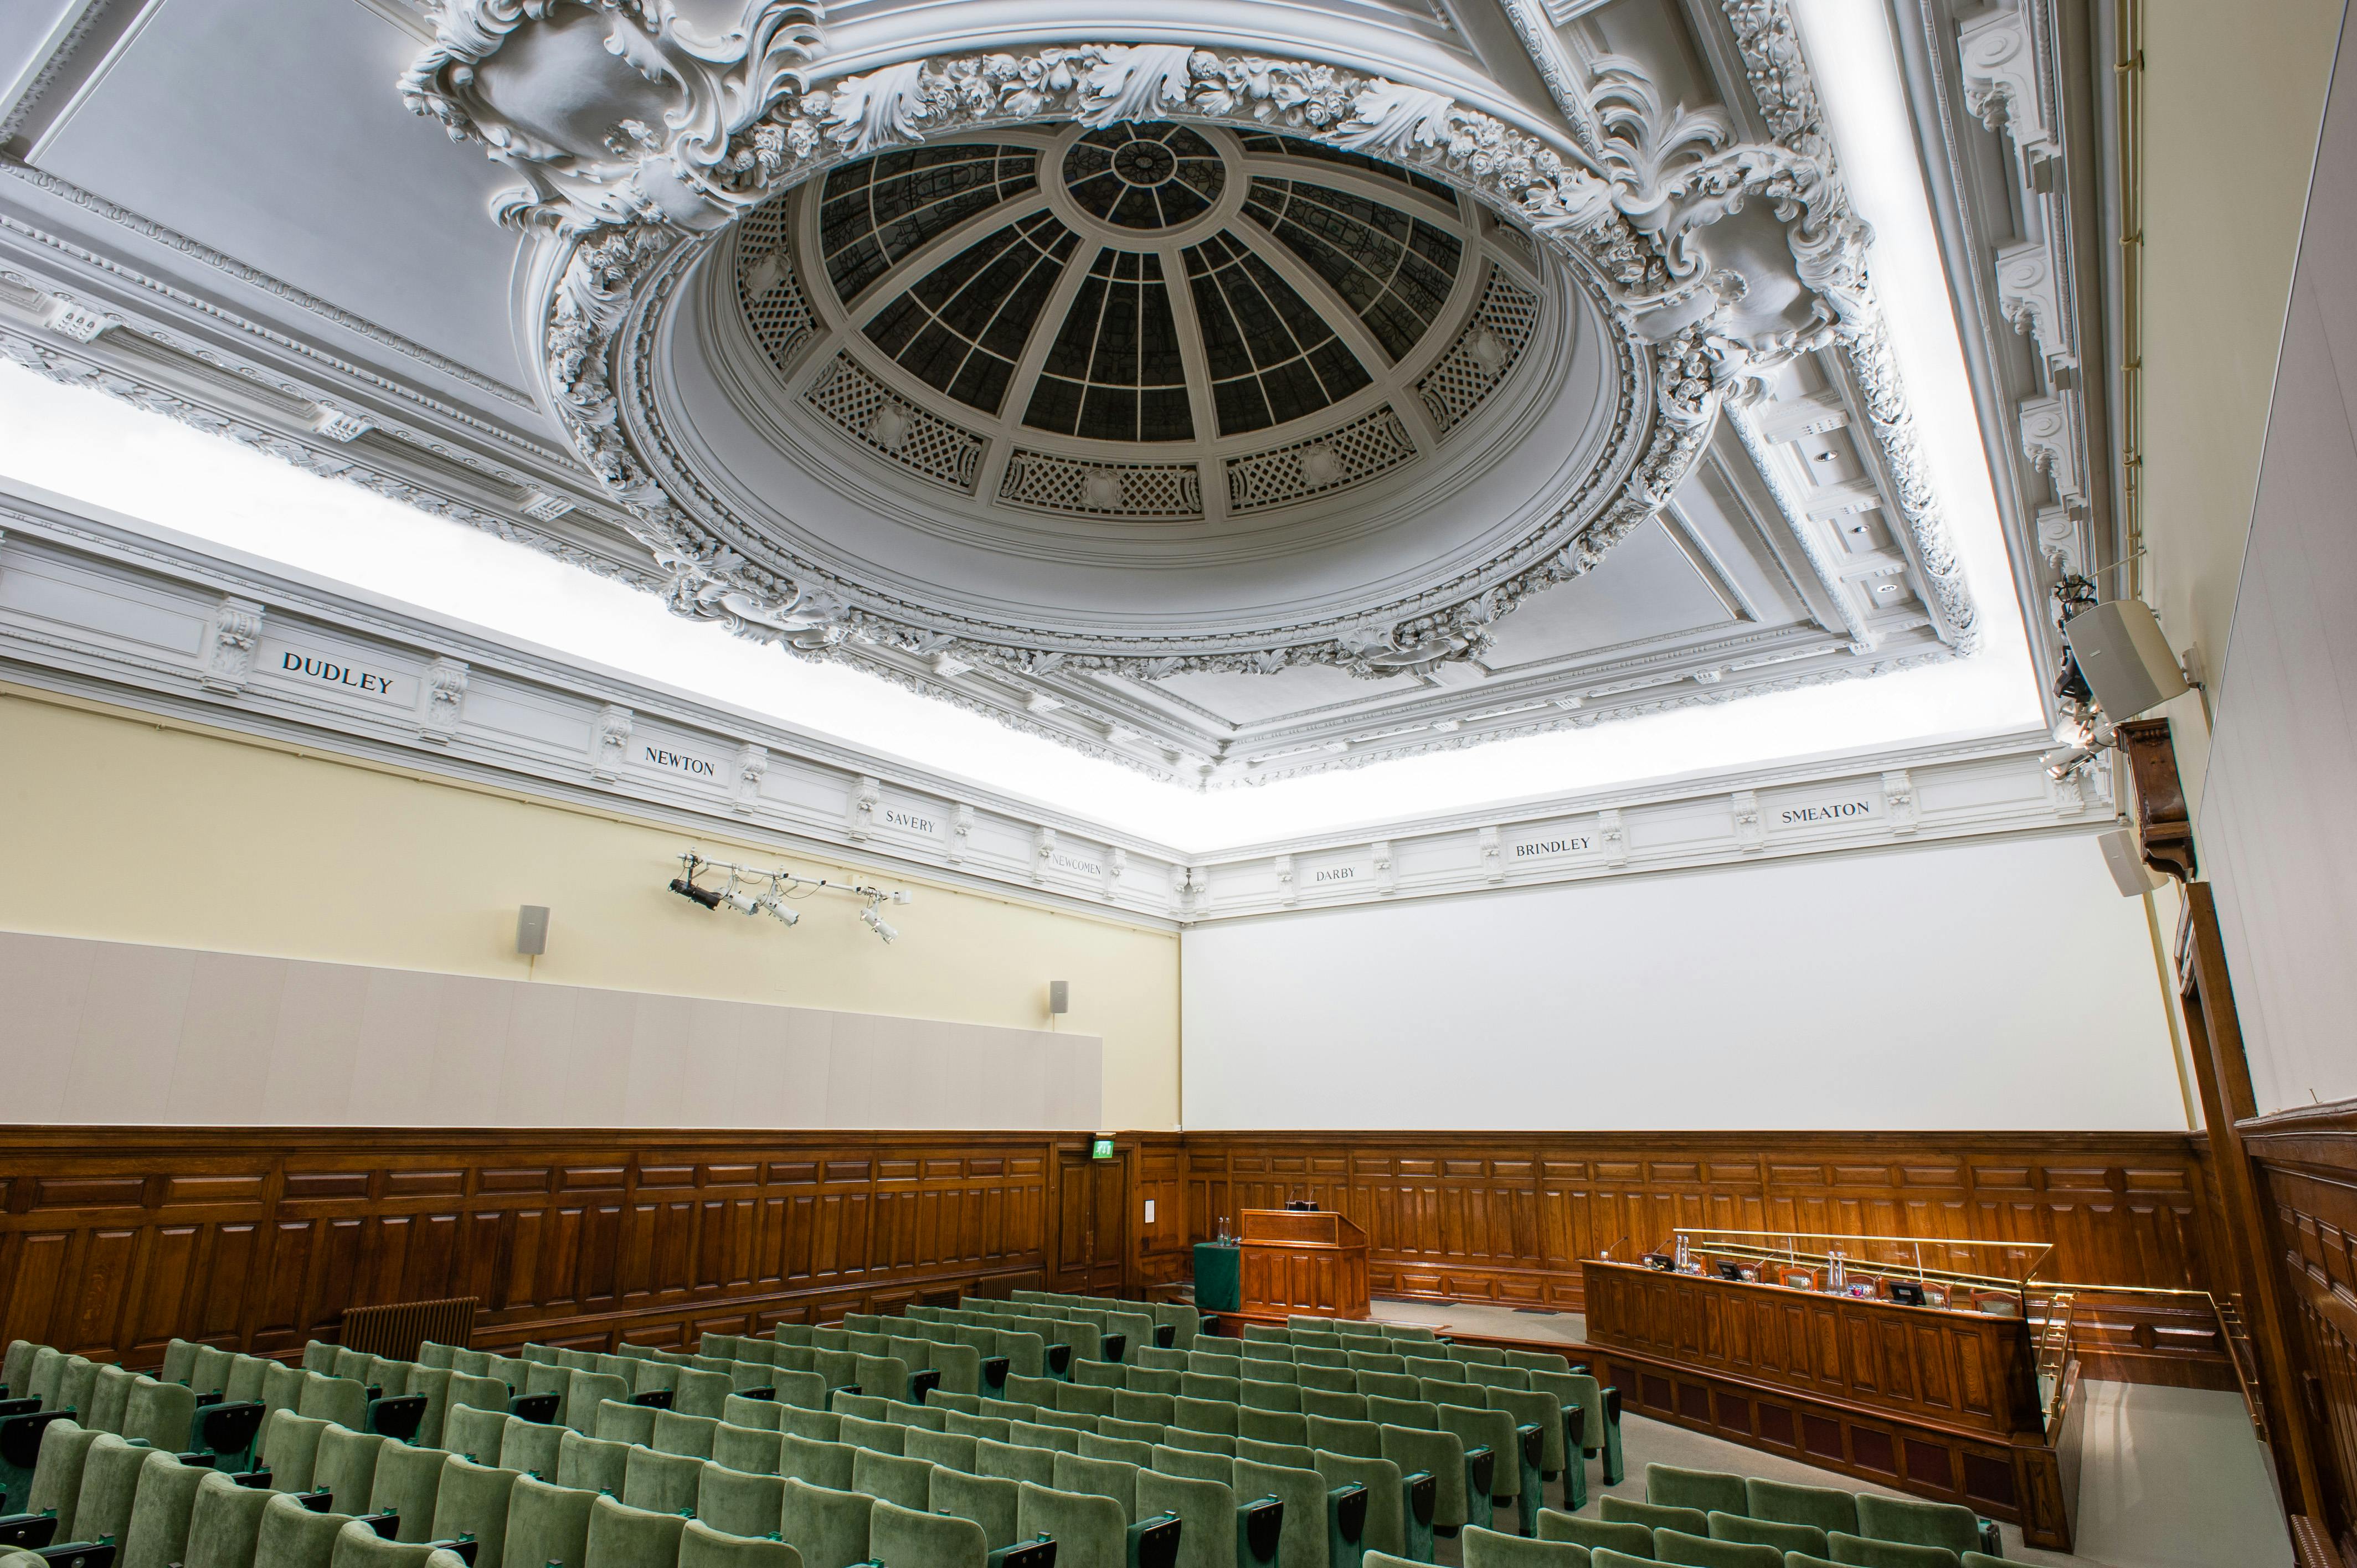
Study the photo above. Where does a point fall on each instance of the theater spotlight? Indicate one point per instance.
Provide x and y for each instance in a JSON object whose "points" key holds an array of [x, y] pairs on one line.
{"points": [[877, 924], [773, 903], [686, 889], [742, 903]]}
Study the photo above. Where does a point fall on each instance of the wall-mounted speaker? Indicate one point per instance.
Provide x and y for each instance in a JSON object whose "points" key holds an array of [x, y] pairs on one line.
{"points": [[2124, 858], [1060, 996], [2127, 662], [532, 930]]}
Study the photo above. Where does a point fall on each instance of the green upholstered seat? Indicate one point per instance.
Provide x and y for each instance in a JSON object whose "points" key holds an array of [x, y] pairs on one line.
{"points": [[1806, 1537], [292, 1536], [343, 1400], [1288, 1455], [1159, 1409], [1040, 1435], [472, 1499], [346, 1466], [620, 1423], [1127, 1450], [685, 1435], [1596, 1534], [953, 1449], [738, 1503], [822, 1463], [1654, 1516], [1867, 1552], [750, 1450], [1131, 1431], [1015, 1462], [1100, 1375], [159, 1414], [662, 1483], [1708, 1552], [1281, 1396], [466, 1430], [1494, 1549], [1984, 1560], [1828, 1508], [531, 1446], [1442, 1454], [899, 1534], [829, 1527], [1207, 1515], [431, 1354], [702, 1394], [1703, 1490], [1309, 1532], [1387, 1514], [700, 1546], [1435, 1390], [77, 1375], [358, 1545], [157, 1533], [1363, 1438], [1919, 1523], [547, 1524], [990, 1428], [823, 1424], [891, 1476], [1112, 1478], [991, 1502], [223, 1523], [1205, 1415], [57, 1472], [1194, 1463], [1201, 1442], [1272, 1425], [406, 1483], [109, 1397], [592, 1463], [1494, 1430], [110, 1480], [1091, 1530], [624, 1537]]}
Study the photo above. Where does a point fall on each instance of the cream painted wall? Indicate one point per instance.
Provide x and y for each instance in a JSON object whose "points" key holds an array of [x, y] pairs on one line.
{"points": [[2234, 98], [1991, 984], [117, 828]]}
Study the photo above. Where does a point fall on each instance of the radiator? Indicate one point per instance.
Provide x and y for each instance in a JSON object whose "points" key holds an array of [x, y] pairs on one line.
{"points": [[395, 1330]]}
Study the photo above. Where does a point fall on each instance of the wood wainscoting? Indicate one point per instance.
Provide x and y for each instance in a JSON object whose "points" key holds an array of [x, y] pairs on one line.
{"points": [[2305, 1164], [1507, 1217], [114, 1240]]}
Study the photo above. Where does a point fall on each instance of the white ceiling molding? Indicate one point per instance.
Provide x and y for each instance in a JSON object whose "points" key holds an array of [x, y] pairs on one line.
{"points": [[91, 608], [1631, 206], [2012, 159]]}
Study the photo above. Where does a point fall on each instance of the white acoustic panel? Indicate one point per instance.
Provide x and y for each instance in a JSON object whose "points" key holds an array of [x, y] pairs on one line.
{"points": [[1985, 985], [123, 1033]]}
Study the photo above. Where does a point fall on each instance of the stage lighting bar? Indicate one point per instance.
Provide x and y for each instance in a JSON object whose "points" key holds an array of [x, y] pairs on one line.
{"points": [[774, 891]]}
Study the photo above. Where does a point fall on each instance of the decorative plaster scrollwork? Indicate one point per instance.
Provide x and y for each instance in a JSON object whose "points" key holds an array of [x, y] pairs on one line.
{"points": [[1999, 67], [445, 702], [609, 742], [1386, 873], [859, 810], [2046, 440], [1899, 806], [1043, 852], [1751, 837], [752, 767], [1612, 837], [1494, 859], [2058, 537], [1286, 892], [2026, 289], [741, 121], [960, 833], [670, 105], [229, 651]]}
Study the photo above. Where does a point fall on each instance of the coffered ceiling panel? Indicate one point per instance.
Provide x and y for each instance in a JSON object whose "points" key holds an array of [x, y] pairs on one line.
{"points": [[265, 129]]}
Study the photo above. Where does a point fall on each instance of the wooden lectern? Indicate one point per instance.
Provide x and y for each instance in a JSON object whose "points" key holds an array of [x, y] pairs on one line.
{"points": [[1311, 1262]]}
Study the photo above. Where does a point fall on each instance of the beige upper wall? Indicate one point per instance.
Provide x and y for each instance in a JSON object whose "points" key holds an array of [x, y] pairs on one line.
{"points": [[118, 828], [2234, 97]]}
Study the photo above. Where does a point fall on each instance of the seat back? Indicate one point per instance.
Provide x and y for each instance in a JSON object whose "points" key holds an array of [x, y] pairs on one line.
{"points": [[591, 1464], [620, 1536], [1386, 1524], [750, 1450], [1442, 1453], [472, 1499], [1948, 1525], [223, 1523], [900, 1534], [990, 1501], [740, 1504], [1207, 1515], [1092, 1528], [157, 1534], [547, 1524], [408, 1480], [666, 1483], [829, 1527]]}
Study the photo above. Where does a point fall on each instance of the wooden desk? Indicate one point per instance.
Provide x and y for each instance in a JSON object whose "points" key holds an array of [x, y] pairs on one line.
{"points": [[1940, 1403], [1313, 1263]]}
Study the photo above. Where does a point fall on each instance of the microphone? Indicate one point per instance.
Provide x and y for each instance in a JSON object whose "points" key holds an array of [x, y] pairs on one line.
{"points": [[1606, 1255]]}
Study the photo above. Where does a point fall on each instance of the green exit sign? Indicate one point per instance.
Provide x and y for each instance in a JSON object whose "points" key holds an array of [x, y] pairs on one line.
{"points": [[1102, 1149]]}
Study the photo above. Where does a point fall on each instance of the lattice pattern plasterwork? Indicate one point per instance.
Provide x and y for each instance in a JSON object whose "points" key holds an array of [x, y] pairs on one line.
{"points": [[868, 410], [770, 288], [1370, 444], [1050, 482], [1484, 354]]}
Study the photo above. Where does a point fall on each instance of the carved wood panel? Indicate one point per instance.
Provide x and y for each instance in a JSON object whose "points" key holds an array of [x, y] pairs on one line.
{"points": [[1506, 1218], [114, 1242]]}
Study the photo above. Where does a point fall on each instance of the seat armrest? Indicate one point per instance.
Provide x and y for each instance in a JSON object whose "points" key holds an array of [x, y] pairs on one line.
{"points": [[660, 1399], [1154, 1543], [29, 1531], [1038, 1553], [462, 1547], [316, 1501]]}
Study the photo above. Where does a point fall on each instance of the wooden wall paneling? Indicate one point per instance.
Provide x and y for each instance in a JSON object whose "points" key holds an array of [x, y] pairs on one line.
{"points": [[2306, 1163], [112, 1243], [1160, 1176]]}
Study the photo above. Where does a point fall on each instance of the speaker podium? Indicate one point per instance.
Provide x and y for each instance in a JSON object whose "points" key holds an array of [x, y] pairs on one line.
{"points": [[1301, 1262]]}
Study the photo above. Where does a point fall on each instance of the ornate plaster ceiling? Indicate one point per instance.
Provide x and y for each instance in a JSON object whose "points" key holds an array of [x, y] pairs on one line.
{"points": [[1605, 420]]}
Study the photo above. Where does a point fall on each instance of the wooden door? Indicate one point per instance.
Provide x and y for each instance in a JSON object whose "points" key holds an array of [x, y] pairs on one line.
{"points": [[1092, 1228], [1109, 1225]]}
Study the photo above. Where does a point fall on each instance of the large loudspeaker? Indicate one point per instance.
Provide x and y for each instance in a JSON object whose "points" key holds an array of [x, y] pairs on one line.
{"points": [[2126, 660], [2125, 860]]}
